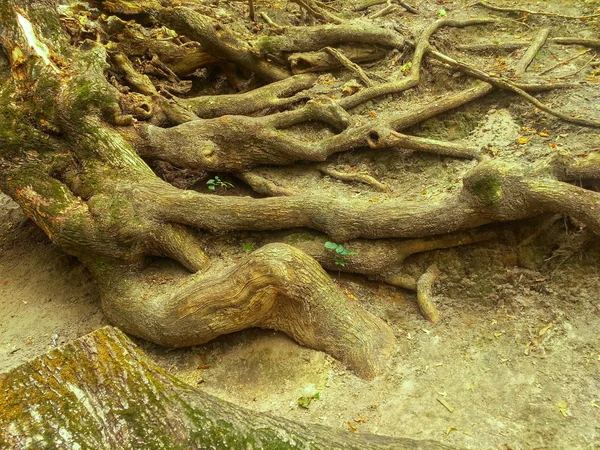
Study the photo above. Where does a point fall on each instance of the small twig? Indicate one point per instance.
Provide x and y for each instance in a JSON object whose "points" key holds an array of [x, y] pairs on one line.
{"points": [[318, 12], [562, 63], [406, 6], [326, 6], [371, 3], [578, 70], [384, 11], [541, 229], [357, 177], [169, 74], [269, 21], [530, 12], [353, 67]]}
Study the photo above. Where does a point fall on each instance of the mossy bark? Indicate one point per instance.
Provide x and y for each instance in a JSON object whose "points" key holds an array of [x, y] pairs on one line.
{"points": [[100, 391]]}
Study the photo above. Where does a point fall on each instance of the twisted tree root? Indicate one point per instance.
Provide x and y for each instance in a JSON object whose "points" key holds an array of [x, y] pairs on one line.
{"points": [[276, 287]]}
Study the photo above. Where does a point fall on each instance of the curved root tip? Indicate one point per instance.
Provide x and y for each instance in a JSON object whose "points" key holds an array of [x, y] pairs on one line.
{"points": [[373, 361], [425, 294]]}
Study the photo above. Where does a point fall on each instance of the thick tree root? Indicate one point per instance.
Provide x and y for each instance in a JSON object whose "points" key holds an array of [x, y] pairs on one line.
{"points": [[276, 287], [218, 41], [274, 95], [82, 182]]}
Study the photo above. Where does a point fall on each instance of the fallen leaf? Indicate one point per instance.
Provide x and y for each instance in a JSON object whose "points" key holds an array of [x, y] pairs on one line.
{"points": [[523, 140], [545, 329], [352, 427], [563, 408]]}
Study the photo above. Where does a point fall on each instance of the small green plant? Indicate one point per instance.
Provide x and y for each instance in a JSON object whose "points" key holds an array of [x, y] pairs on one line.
{"points": [[406, 67], [340, 252], [304, 402], [215, 182], [248, 247], [442, 12]]}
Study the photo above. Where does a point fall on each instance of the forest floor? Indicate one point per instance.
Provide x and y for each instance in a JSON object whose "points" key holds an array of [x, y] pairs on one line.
{"points": [[515, 360]]}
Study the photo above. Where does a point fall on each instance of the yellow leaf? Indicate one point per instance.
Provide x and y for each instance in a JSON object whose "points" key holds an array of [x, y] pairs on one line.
{"points": [[523, 140]]}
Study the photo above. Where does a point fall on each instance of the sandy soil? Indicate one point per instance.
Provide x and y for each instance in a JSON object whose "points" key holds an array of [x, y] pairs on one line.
{"points": [[514, 362]]}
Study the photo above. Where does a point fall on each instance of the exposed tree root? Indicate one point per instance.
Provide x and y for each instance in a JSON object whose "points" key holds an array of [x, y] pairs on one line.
{"points": [[262, 185], [421, 47], [532, 12], [425, 294], [306, 39], [322, 60], [492, 192], [136, 41], [82, 182], [390, 139], [217, 40], [508, 85], [104, 370], [514, 45], [274, 95], [379, 259], [276, 287], [353, 67], [352, 176]]}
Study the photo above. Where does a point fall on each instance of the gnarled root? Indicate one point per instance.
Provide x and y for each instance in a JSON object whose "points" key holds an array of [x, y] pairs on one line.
{"points": [[277, 287]]}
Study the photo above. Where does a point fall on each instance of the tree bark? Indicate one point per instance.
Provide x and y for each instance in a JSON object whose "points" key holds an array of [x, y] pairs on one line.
{"points": [[100, 391]]}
